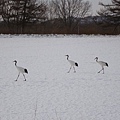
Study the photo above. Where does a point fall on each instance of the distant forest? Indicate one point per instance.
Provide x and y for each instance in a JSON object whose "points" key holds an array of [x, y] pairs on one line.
{"points": [[58, 17]]}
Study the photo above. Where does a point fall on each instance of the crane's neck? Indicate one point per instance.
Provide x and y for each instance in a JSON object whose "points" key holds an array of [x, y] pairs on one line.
{"points": [[15, 63], [96, 60], [67, 57]]}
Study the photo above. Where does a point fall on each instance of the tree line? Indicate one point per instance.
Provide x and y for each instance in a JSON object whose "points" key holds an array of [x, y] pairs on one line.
{"points": [[53, 16]]}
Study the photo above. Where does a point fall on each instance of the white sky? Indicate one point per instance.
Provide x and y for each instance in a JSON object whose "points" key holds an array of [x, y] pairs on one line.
{"points": [[95, 5]]}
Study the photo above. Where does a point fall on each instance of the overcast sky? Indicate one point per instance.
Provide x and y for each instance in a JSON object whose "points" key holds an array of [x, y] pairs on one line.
{"points": [[95, 5]]}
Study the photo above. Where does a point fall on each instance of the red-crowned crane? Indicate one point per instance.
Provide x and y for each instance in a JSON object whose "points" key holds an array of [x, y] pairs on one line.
{"points": [[102, 64], [20, 70], [72, 63]]}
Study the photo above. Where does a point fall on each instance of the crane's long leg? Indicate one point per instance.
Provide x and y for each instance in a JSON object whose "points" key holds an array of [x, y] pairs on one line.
{"points": [[69, 69], [101, 70], [24, 77], [74, 69], [18, 76]]}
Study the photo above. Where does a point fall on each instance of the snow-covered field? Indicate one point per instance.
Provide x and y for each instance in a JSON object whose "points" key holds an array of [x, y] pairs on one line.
{"points": [[50, 93]]}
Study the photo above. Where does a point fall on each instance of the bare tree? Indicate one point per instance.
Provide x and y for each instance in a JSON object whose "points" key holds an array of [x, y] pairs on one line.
{"points": [[19, 13], [68, 10], [111, 13]]}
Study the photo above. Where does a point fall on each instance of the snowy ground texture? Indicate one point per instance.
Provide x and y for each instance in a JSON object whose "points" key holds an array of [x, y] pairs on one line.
{"points": [[50, 93]]}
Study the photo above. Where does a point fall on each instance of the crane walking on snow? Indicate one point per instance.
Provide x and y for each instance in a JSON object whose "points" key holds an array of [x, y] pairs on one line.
{"points": [[102, 64], [20, 70], [72, 63]]}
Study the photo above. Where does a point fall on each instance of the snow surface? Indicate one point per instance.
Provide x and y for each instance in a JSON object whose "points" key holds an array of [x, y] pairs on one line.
{"points": [[50, 93]]}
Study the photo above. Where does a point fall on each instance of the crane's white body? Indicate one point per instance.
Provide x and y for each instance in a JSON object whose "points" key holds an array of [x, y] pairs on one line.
{"points": [[102, 64], [20, 70], [72, 63]]}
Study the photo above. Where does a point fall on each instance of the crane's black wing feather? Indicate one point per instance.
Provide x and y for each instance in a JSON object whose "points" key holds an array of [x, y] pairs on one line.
{"points": [[106, 64], [76, 64], [26, 71]]}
